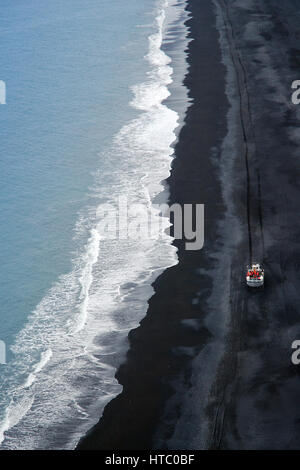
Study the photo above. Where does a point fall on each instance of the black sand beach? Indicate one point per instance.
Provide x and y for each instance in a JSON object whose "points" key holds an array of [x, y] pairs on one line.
{"points": [[210, 367]]}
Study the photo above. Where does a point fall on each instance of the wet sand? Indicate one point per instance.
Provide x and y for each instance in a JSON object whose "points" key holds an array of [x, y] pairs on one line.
{"points": [[209, 367]]}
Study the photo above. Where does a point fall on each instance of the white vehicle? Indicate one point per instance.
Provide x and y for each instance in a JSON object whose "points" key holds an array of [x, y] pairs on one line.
{"points": [[255, 275]]}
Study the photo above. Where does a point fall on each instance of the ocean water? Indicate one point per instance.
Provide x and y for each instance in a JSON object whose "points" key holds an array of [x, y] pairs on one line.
{"points": [[85, 122]]}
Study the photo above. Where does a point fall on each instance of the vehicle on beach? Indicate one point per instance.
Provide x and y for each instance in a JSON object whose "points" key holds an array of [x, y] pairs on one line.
{"points": [[255, 275]]}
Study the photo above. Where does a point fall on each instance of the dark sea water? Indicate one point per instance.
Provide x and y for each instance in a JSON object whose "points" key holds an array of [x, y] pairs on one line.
{"points": [[84, 124]]}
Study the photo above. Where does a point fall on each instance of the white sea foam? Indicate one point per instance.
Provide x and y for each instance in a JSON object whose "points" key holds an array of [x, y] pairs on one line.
{"points": [[65, 358], [90, 257], [14, 413], [45, 357]]}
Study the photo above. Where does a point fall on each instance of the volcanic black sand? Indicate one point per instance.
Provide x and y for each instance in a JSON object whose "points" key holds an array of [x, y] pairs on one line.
{"points": [[210, 365]]}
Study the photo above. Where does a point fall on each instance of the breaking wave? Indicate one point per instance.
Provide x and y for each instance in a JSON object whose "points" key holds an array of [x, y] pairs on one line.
{"points": [[65, 358]]}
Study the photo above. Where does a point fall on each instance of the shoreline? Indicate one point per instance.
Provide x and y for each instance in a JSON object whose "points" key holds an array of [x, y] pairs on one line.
{"points": [[173, 331], [250, 400]]}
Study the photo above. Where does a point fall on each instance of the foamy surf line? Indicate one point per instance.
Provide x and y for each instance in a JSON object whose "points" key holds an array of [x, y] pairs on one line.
{"points": [[65, 358]]}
